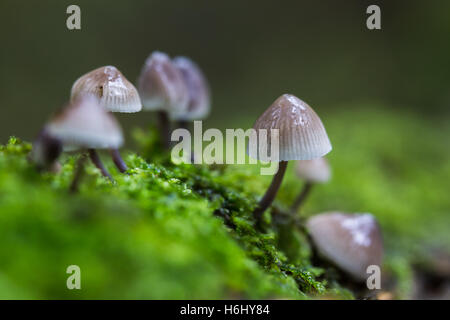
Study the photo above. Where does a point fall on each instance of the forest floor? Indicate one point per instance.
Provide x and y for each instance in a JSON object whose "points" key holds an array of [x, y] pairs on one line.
{"points": [[165, 231]]}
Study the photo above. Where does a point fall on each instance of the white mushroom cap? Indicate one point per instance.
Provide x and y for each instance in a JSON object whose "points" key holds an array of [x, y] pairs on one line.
{"points": [[85, 124], [350, 241], [113, 90], [161, 85], [315, 170], [302, 135], [199, 97]]}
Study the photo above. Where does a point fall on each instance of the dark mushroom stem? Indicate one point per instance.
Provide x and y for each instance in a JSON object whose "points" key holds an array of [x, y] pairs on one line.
{"points": [[53, 150], [271, 192], [50, 147], [78, 173], [98, 163], [301, 197], [164, 129], [118, 161]]}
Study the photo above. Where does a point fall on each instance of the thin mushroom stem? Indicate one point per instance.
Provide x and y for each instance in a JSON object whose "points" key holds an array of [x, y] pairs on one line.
{"points": [[301, 197], [78, 174], [271, 192], [99, 164], [118, 161], [164, 129]]}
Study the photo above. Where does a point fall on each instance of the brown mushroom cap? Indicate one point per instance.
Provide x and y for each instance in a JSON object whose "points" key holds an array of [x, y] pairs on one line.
{"points": [[350, 241], [302, 135], [86, 124], [161, 85], [314, 170], [113, 90], [199, 96]]}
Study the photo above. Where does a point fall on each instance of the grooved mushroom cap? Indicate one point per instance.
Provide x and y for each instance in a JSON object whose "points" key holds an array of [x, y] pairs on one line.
{"points": [[350, 241], [302, 135], [113, 90], [199, 96], [315, 170], [86, 124], [161, 85]]}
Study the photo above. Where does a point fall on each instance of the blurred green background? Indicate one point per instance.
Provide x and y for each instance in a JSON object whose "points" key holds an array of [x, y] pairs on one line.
{"points": [[382, 95], [251, 51]]}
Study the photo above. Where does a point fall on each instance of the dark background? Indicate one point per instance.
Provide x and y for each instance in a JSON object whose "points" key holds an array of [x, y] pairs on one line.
{"points": [[251, 51]]}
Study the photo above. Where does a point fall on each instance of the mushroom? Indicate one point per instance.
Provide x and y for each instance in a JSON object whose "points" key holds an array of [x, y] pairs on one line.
{"points": [[302, 136], [85, 125], [312, 171], [352, 242], [45, 152], [114, 92], [199, 95], [162, 88]]}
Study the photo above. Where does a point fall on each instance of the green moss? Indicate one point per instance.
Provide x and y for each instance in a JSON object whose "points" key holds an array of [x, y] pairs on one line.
{"points": [[165, 231], [152, 234]]}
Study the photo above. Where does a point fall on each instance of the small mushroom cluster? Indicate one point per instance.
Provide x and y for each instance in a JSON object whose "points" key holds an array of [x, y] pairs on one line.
{"points": [[352, 242], [176, 88], [178, 91]]}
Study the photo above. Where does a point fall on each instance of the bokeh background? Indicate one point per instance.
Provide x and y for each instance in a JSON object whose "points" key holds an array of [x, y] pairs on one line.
{"points": [[383, 96], [251, 51]]}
